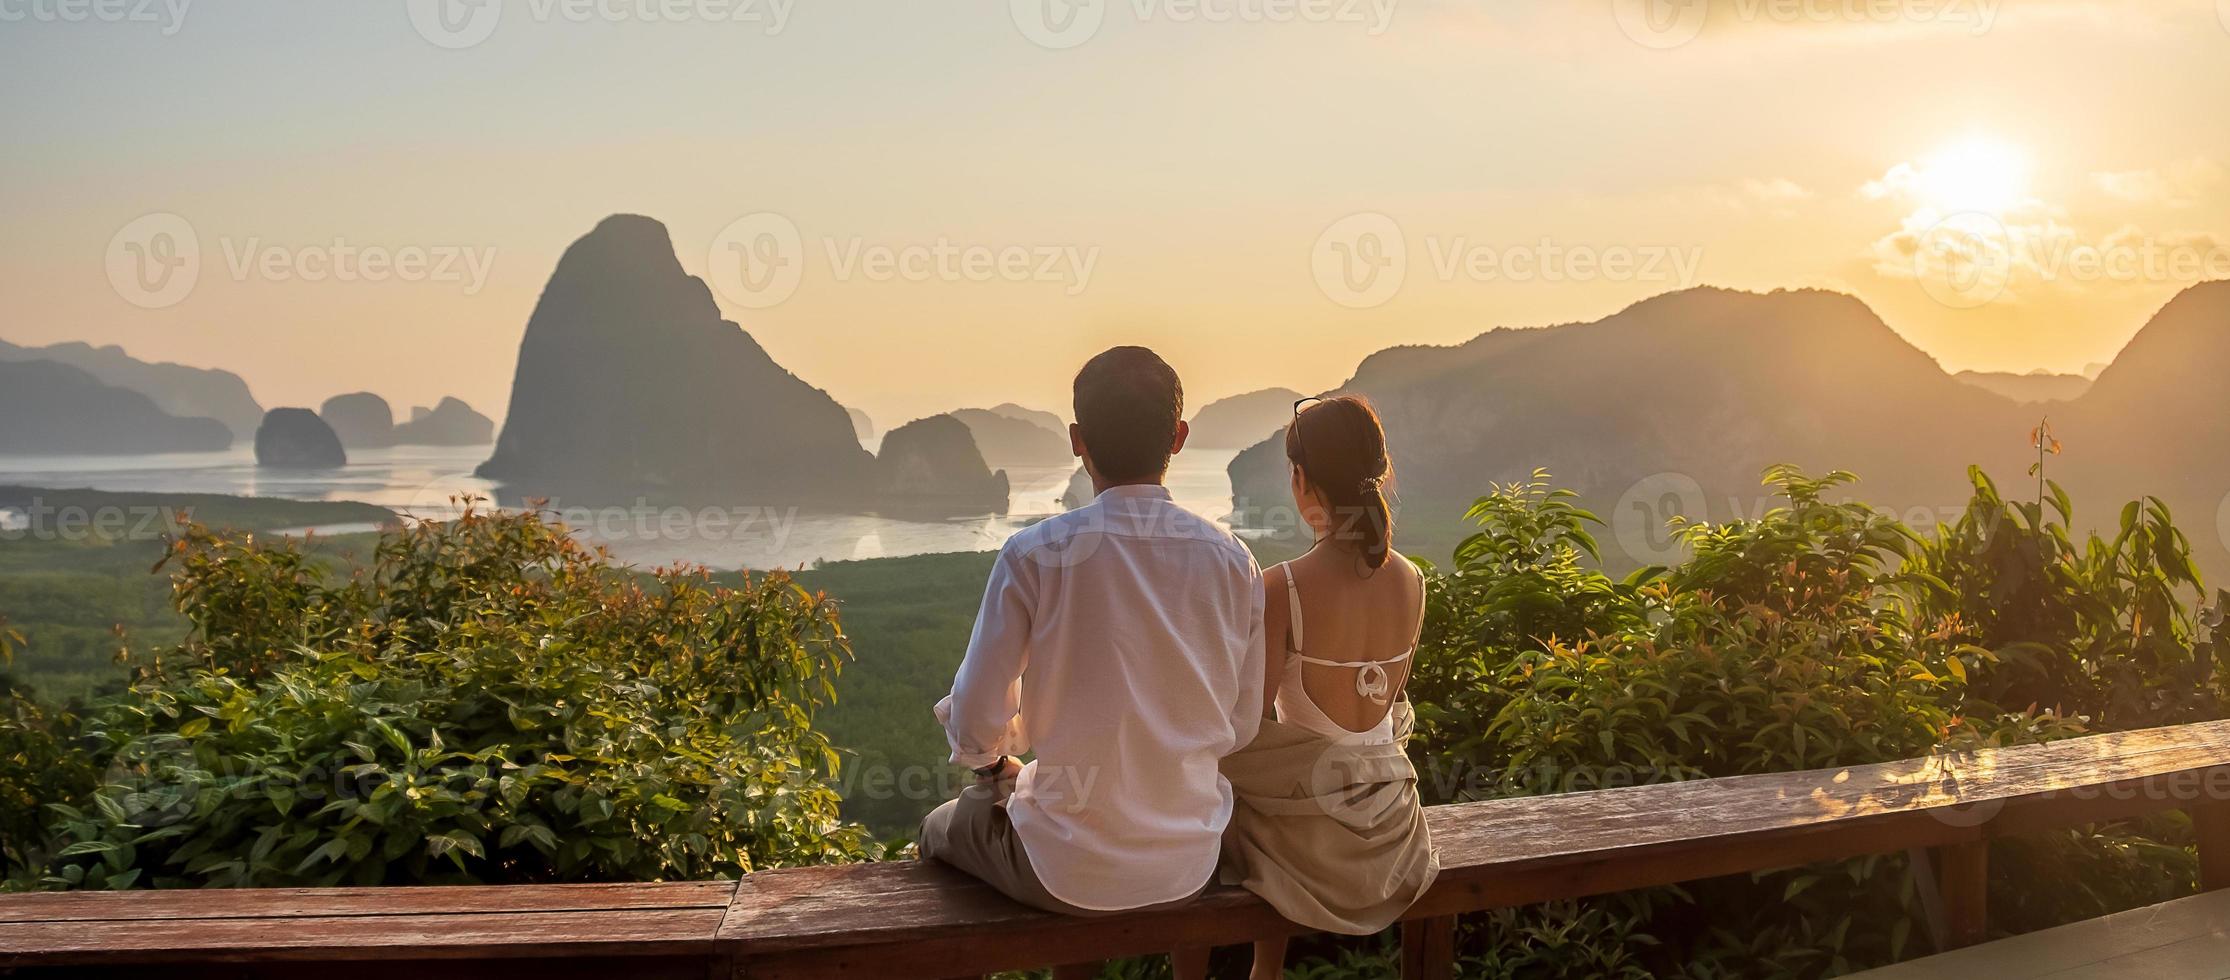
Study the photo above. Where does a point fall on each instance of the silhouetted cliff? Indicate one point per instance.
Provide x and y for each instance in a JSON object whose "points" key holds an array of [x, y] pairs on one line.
{"points": [[297, 438], [629, 381], [933, 463]]}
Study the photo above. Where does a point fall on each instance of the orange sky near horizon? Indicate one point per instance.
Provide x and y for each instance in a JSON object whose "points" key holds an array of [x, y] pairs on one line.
{"points": [[927, 206]]}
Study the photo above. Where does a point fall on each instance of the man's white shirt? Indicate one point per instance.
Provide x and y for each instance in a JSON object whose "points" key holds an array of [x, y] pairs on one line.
{"points": [[1122, 642]]}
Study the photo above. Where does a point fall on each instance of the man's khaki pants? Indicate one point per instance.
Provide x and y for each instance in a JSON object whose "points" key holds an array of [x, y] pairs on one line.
{"points": [[972, 833]]}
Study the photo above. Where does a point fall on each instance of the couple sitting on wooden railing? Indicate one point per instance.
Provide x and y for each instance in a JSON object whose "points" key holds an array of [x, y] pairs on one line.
{"points": [[1184, 724]]}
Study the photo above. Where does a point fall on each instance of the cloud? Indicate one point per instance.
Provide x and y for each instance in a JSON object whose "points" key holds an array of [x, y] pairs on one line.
{"points": [[2178, 185], [1902, 180]]}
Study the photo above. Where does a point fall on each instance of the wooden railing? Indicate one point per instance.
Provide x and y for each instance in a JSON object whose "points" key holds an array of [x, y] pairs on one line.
{"points": [[908, 919]]}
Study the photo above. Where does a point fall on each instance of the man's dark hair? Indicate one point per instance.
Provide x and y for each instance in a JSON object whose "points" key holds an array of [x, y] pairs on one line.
{"points": [[1128, 402]]}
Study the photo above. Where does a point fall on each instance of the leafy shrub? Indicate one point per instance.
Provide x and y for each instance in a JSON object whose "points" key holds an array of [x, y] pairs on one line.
{"points": [[37, 766], [1816, 635], [487, 701], [2108, 630]]}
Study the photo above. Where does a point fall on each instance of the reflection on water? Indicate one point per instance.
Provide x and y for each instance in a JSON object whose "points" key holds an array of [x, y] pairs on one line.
{"points": [[424, 480]]}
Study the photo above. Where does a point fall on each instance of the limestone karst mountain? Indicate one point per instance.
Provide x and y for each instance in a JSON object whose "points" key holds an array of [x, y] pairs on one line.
{"points": [[629, 382], [1016, 439], [53, 408], [449, 423], [361, 419], [1242, 420], [298, 439], [933, 463], [186, 392], [1041, 419]]}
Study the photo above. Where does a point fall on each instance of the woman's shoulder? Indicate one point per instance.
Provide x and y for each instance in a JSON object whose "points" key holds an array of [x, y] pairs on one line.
{"points": [[1412, 575]]}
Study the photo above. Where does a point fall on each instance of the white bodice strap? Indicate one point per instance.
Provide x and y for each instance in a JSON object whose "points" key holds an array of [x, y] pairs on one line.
{"points": [[1371, 679]]}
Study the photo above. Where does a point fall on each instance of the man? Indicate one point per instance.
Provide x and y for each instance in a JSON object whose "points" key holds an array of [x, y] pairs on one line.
{"points": [[1122, 642]]}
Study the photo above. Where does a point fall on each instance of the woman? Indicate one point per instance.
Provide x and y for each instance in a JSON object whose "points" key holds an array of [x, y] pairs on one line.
{"points": [[1327, 825]]}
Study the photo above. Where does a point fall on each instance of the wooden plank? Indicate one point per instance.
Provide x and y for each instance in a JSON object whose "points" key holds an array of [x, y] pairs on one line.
{"points": [[1052, 939], [477, 935], [1428, 948], [908, 919], [1527, 849], [255, 903], [2186, 939], [1963, 883], [565, 968], [2210, 822]]}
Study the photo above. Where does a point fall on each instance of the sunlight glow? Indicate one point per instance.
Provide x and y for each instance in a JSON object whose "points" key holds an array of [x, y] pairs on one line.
{"points": [[1977, 174]]}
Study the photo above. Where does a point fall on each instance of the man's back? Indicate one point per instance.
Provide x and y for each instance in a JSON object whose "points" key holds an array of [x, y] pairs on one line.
{"points": [[1136, 629]]}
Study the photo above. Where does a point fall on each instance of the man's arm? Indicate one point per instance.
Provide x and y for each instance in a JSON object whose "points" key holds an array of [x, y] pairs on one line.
{"points": [[983, 717], [1246, 716]]}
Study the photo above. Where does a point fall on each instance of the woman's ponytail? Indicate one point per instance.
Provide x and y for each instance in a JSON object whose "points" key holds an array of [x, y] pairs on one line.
{"points": [[1340, 448], [1377, 526]]}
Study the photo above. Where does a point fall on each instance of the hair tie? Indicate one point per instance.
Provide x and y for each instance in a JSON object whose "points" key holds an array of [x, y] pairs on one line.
{"points": [[1374, 484]]}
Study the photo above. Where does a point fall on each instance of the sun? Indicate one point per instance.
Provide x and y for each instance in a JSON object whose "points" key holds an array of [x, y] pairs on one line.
{"points": [[1975, 174]]}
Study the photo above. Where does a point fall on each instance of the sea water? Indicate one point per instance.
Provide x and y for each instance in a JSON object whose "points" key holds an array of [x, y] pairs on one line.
{"points": [[426, 482]]}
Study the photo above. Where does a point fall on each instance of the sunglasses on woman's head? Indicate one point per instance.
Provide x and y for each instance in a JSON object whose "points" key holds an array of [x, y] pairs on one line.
{"points": [[1297, 449]]}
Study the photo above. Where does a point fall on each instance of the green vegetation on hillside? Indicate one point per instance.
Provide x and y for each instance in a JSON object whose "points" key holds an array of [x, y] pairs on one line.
{"points": [[512, 680], [1815, 635], [908, 620], [75, 571], [484, 700]]}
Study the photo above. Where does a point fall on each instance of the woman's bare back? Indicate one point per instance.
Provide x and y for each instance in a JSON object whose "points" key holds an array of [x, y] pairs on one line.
{"points": [[1349, 614]]}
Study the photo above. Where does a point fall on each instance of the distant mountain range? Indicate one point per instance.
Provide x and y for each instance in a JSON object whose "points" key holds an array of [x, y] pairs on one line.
{"points": [[2033, 387], [189, 393], [53, 408], [1677, 403], [186, 392]]}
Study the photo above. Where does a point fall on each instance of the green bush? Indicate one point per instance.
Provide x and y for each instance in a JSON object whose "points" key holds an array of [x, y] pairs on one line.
{"points": [[37, 767], [486, 701], [1819, 634], [2108, 629]]}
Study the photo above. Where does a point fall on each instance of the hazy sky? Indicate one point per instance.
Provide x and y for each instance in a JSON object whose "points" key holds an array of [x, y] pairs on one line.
{"points": [[983, 193]]}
